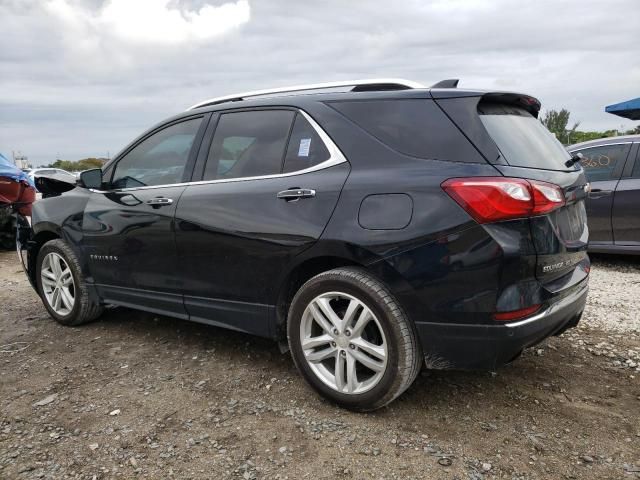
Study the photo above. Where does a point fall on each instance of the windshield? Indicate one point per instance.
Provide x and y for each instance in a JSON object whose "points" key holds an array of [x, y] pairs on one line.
{"points": [[522, 139]]}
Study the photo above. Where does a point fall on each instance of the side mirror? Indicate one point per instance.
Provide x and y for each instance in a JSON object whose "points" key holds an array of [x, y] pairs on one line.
{"points": [[91, 178]]}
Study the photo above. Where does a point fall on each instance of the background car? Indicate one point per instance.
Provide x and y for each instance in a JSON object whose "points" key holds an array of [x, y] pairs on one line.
{"points": [[55, 173], [17, 192], [612, 166]]}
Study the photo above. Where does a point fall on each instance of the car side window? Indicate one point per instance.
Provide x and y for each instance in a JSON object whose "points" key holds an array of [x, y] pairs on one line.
{"points": [[636, 167], [107, 171], [306, 148], [248, 144], [159, 159], [599, 163], [414, 127]]}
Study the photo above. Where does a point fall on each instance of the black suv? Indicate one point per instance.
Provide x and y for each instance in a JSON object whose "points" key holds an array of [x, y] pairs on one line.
{"points": [[374, 225]]}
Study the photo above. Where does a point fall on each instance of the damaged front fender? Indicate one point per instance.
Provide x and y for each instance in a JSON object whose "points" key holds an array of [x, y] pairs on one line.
{"points": [[24, 242]]}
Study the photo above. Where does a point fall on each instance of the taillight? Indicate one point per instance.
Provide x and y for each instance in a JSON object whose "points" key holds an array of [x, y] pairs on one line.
{"points": [[491, 199]]}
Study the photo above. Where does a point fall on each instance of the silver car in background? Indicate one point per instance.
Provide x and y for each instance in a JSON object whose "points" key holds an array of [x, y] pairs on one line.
{"points": [[55, 173]]}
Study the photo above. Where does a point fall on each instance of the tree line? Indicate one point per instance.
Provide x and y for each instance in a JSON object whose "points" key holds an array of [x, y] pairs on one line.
{"points": [[78, 165], [557, 122]]}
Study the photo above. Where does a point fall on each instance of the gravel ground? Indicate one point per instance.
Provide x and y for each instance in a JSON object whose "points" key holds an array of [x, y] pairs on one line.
{"points": [[134, 395], [614, 300]]}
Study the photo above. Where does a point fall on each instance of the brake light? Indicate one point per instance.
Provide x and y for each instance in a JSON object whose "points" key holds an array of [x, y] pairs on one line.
{"points": [[492, 199], [516, 314]]}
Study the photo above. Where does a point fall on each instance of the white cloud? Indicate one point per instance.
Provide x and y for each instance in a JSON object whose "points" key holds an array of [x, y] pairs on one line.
{"points": [[149, 21]]}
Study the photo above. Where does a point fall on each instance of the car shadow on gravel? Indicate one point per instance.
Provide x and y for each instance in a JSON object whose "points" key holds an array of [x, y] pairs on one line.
{"points": [[192, 337], [187, 333], [433, 389]]}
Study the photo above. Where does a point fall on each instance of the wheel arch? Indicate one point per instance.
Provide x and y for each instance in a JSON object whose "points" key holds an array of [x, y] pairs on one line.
{"points": [[312, 266], [297, 276], [35, 244]]}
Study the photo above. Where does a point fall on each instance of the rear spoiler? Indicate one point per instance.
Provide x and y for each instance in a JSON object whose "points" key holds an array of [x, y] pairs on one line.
{"points": [[531, 104], [522, 100]]}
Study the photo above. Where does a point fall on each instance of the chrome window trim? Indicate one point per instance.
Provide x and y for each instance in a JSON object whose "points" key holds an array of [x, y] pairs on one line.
{"points": [[336, 157], [599, 145]]}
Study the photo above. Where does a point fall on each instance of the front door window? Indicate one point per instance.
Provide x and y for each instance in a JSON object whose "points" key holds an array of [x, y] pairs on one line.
{"points": [[159, 159], [599, 163]]}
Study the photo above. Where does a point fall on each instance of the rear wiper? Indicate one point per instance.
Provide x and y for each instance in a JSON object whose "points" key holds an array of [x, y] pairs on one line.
{"points": [[574, 159]]}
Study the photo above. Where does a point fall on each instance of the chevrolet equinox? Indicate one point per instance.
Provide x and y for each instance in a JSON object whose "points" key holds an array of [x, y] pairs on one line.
{"points": [[376, 226]]}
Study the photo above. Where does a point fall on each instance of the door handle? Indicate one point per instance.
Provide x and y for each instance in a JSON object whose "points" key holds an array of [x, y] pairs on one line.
{"points": [[599, 193], [159, 201], [294, 194]]}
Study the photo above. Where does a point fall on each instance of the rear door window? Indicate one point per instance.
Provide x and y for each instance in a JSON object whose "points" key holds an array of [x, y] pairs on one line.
{"points": [[248, 144], [599, 163], [522, 139], [306, 149]]}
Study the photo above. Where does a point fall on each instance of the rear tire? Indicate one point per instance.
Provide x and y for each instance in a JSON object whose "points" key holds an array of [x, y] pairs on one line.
{"points": [[351, 340], [61, 285]]}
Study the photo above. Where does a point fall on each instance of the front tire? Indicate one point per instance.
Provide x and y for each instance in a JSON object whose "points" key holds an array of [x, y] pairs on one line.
{"points": [[351, 340], [61, 285]]}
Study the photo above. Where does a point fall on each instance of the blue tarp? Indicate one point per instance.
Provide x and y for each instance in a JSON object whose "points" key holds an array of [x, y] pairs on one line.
{"points": [[629, 109], [9, 170]]}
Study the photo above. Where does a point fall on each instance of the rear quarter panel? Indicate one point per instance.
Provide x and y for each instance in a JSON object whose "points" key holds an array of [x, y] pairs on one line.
{"points": [[415, 261]]}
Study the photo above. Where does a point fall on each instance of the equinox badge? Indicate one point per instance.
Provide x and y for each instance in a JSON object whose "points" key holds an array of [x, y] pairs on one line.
{"points": [[109, 258]]}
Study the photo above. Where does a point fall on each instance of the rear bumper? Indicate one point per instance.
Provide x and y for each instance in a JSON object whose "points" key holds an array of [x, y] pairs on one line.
{"points": [[470, 347]]}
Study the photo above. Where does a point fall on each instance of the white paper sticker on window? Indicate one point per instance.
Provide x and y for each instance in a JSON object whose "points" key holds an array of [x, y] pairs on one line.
{"points": [[303, 150]]}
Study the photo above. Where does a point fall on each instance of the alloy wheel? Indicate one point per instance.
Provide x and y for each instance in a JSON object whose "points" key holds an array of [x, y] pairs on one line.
{"points": [[57, 284], [343, 343]]}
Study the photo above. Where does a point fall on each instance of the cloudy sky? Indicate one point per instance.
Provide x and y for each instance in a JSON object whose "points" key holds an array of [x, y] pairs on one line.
{"points": [[82, 78]]}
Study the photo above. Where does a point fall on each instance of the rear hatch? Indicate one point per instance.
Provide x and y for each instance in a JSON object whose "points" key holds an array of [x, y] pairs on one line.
{"points": [[523, 148]]}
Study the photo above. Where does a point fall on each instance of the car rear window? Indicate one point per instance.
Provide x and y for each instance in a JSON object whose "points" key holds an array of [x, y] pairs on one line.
{"points": [[522, 139]]}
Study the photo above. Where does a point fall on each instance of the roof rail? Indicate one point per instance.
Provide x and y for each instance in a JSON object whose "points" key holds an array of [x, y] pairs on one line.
{"points": [[358, 85], [449, 83]]}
